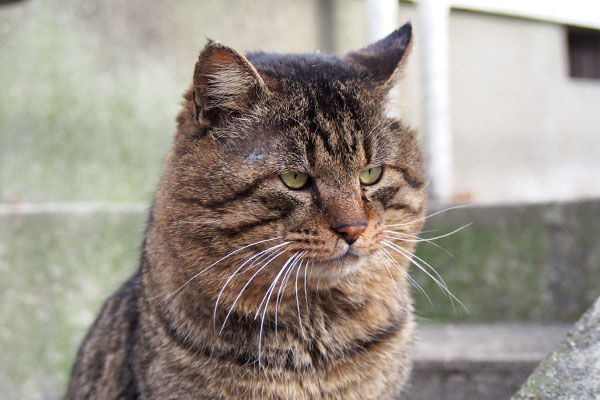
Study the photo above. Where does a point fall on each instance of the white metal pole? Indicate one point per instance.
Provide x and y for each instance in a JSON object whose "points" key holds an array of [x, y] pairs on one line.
{"points": [[433, 17], [382, 18]]}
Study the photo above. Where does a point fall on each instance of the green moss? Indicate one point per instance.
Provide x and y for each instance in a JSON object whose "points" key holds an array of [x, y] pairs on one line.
{"points": [[89, 90], [72, 126], [536, 262], [56, 271]]}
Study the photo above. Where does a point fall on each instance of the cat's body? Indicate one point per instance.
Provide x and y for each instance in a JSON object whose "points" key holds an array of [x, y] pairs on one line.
{"points": [[220, 308]]}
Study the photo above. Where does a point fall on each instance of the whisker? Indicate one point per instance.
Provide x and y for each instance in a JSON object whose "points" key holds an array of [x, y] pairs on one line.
{"points": [[431, 215], [420, 239], [424, 262], [264, 313], [312, 263], [426, 184], [255, 262], [284, 281], [297, 301], [410, 278], [385, 264], [407, 253], [272, 285], [443, 286], [215, 263], [246, 285], [260, 254], [434, 238]]}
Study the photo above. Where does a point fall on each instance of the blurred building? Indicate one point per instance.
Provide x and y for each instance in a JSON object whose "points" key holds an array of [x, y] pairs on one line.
{"points": [[508, 105], [524, 98]]}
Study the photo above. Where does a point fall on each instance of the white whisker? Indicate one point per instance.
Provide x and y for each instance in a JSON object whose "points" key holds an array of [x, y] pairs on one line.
{"points": [[215, 263], [264, 313], [410, 278], [420, 239], [274, 283], [385, 264], [409, 257], [426, 184], [284, 281], [260, 254], [433, 238], [297, 301], [431, 215], [406, 252], [312, 263], [246, 285]]}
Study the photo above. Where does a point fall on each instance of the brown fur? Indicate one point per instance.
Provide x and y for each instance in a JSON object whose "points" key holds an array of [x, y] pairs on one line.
{"points": [[339, 326]]}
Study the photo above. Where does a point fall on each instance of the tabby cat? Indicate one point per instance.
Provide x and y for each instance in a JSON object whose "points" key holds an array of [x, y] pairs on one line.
{"points": [[268, 269]]}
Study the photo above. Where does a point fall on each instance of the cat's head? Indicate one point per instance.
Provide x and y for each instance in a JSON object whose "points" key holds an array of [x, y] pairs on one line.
{"points": [[292, 155]]}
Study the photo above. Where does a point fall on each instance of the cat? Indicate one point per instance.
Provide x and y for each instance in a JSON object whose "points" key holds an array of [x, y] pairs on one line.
{"points": [[268, 270]]}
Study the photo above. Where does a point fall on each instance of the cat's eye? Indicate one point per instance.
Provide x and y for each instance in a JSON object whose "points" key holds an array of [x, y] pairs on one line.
{"points": [[294, 180], [370, 176]]}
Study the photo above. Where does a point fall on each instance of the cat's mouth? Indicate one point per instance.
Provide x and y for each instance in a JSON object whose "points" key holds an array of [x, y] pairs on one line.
{"points": [[343, 263], [348, 256]]}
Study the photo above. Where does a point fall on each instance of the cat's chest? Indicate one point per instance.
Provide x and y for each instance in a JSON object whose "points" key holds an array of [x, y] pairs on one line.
{"points": [[354, 351]]}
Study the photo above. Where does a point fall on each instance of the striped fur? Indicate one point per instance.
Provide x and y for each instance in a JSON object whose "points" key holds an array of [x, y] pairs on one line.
{"points": [[208, 316]]}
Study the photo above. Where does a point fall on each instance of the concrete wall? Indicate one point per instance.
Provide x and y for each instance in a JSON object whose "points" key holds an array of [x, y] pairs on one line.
{"points": [[524, 130], [515, 263], [89, 90]]}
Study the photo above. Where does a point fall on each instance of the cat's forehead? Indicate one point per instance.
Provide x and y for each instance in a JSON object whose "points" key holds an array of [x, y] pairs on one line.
{"points": [[320, 114]]}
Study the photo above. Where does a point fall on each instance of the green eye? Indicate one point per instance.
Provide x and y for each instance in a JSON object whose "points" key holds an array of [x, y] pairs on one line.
{"points": [[370, 176], [294, 180]]}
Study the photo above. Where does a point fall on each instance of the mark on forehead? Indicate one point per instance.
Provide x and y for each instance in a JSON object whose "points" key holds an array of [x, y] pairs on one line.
{"points": [[255, 155]]}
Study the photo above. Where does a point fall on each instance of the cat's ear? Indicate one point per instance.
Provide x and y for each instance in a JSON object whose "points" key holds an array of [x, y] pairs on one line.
{"points": [[225, 83], [383, 59]]}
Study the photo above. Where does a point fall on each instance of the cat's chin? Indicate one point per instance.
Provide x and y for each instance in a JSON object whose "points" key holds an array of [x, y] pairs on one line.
{"points": [[336, 268]]}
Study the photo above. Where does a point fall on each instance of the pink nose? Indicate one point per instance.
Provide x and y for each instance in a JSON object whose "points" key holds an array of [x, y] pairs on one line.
{"points": [[350, 232]]}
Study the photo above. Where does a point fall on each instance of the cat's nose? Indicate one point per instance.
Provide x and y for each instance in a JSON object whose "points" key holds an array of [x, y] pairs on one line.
{"points": [[350, 232]]}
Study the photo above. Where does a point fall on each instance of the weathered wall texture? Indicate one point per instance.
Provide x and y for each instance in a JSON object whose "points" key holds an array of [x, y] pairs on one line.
{"points": [[572, 370], [525, 263], [524, 130], [89, 90], [522, 262]]}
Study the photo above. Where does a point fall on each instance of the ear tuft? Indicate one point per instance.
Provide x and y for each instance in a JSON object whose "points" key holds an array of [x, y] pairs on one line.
{"points": [[381, 60], [225, 82]]}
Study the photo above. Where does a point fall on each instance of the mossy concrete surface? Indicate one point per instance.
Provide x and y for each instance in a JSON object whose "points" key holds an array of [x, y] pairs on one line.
{"points": [[56, 269], [89, 89], [572, 370], [514, 263], [537, 262]]}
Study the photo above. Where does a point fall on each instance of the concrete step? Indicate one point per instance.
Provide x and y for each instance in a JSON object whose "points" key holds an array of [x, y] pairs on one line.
{"points": [[572, 370], [518, 262], [478, 361], [58, 262]]}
